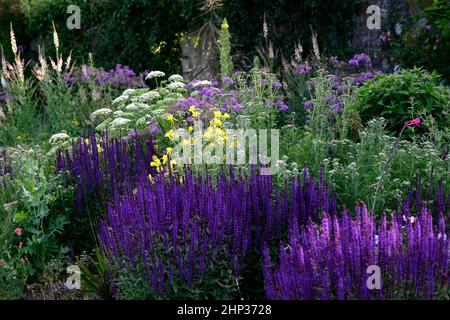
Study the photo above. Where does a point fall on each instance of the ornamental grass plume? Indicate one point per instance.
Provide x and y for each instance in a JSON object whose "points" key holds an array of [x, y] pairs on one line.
{"points": [[188, 220], [329, 260]]}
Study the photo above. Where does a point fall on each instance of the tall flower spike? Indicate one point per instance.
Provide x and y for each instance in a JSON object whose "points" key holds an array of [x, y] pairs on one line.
{"points": [[13, 40], [55, 39], [315, 45], [69, 59]]}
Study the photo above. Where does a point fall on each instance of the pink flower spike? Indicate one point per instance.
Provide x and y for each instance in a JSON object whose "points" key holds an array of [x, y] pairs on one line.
{"points": [[18, 231], [414, 122]]}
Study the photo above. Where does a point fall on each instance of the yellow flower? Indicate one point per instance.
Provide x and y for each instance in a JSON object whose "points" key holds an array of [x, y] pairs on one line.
{"points": [[217, 114], [169, 150], [207, 134], [225, 26], [99, 148], [86, 141], [155, 163], [190, 129], [165, 157], [170, 118], [195, 114], [216, 122], [226, 116], [169, 134], [192, 108], [186, 142], [151, 178]]}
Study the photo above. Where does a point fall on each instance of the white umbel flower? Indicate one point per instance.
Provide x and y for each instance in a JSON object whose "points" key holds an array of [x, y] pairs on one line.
{"points": [[128, 92], [58, 137], [101, 112], [176, 78], [118, 122], [136, 106], [202, 83], [120, 99], [176, 85], [149, 95], [155, 74]]}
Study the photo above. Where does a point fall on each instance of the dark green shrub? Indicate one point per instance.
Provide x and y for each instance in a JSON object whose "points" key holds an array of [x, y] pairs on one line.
{"points": [[401, 97]]}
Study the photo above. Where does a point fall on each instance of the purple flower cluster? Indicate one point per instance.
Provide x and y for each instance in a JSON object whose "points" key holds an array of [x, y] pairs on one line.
{"points": [[104, 167], [330, 260], [420, 198], [360, 60], [121, 77], [209, 97], [187, 220], [301, 69]]}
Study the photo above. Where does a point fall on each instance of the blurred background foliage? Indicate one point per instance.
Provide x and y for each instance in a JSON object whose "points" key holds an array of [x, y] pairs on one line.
{"points": [[146, 34]]}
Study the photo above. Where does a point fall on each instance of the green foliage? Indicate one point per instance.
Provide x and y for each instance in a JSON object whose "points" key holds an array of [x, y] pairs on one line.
{"points": [[289, 21], [132, 31], [217, 283], [128, 31], [353, 169], [402, 97], [19, 113], [36, 189], [68, 108]]}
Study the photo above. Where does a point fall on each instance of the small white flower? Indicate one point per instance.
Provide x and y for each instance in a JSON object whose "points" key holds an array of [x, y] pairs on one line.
{"points": [[58, 137], [120, 99], [135, 106], [149, 95], [155, 74], [128, 92], [176, 85], [102, 111], [202, 83], [119, 122], [175, 78]]}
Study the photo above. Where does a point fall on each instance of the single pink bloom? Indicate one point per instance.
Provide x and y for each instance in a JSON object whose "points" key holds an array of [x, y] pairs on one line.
{"points": [[414, 122], [18, 231], [20, 244]]}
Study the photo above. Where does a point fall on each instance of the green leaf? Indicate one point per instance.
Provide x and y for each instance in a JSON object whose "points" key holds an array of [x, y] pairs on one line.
{"points": [[20, 216]]}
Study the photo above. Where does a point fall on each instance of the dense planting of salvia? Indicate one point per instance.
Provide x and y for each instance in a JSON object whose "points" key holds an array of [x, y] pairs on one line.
{"points": [[174, 229], [168, 231], [104, 166], [193, 216], [329, 261]]}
